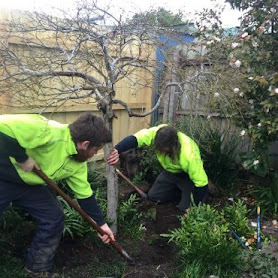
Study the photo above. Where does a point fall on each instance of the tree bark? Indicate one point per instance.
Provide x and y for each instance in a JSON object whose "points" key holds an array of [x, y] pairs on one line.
{"points": [[171, 97], [112, 182]]}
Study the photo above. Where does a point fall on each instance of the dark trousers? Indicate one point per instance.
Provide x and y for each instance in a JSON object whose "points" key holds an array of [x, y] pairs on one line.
{"points": [[169, 187], [39, 202]]}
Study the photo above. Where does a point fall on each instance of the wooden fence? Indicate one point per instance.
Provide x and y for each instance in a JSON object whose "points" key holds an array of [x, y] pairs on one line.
{"points": [[138, 99]]}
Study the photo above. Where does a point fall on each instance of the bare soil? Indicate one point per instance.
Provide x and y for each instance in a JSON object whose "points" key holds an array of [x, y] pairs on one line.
{"points": [[153, 256]]}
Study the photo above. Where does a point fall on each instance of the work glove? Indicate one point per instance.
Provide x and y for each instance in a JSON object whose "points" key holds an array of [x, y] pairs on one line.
{"points": [[28, 165]]}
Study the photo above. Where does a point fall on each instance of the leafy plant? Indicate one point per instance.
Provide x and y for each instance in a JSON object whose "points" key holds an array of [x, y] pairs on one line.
{"points": [[235, 216], [266, 194], [97, 175], [11, 266], [139, 178], [74, 225], [194, 269], [219, 148], [11, 218], [259, 264], [129, 218], [149, 165], [203, 238]]}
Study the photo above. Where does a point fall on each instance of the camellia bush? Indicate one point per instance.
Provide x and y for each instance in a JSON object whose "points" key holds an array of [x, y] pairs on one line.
{"points": [[245, 59]]}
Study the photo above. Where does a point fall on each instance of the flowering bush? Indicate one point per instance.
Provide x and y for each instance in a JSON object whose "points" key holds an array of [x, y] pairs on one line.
{"points": [[249, 78]]}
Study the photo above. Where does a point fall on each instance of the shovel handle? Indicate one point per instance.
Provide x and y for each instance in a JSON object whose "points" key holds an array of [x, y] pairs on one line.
{"points": [[259, 228], [139, 191], [91, 222]]}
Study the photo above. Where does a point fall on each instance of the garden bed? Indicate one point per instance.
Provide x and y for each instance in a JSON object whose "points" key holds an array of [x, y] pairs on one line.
{"points": [[86, 257]]}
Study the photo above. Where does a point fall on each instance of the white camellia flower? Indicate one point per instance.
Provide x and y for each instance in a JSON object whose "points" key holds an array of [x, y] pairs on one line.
{"points": [[241, 94], [235, 45], [236, 90], [210, 42], [244, 35], [256, 162], [242, 133], [237, 63], [216, 94], [273, 10], [255, 44], [276, 91], [250, 78], [259, 124]]}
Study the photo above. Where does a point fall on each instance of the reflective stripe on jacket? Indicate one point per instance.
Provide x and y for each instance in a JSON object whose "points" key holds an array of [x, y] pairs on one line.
{"points": [[49, 143], [189, 160]]}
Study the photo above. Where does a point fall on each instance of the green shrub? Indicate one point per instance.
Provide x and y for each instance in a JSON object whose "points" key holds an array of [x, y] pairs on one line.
{"points": [[219, 148], [266, 194], [97, 175], [129, 218], [11, 267], [194, 269], [11, 218], [149, 165], [235, 216], [203, 237], [259, 264], [74, 225]]}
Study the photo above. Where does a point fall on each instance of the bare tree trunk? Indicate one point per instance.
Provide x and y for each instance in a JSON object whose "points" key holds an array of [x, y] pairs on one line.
{"points": [[171, 97], [112, 183], [173, 103], [166, 105], [112, 191]]}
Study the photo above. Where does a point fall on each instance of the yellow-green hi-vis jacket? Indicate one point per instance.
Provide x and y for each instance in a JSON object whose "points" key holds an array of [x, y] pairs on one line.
{"points": [[189, 160], [49, 143]]}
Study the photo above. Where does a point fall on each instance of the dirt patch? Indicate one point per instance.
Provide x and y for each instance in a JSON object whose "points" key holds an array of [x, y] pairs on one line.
{"points": [[153, 256], [156, 256]]}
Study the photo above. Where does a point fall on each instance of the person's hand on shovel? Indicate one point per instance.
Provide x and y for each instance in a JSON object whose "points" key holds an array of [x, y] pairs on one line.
{"points": [[108, 236], [28, 165], [114, 157]]}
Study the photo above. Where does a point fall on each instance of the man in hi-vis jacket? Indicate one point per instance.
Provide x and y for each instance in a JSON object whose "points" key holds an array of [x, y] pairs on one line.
{"points": [[183, 171], [61, 152]]}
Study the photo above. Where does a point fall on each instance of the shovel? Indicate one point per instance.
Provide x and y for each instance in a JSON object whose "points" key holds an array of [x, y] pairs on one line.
{"points": [[138, 190], [259, 228], [242, 244], [91, 222]]}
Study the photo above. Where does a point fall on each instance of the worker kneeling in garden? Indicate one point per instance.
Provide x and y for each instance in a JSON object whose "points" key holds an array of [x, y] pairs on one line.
{"points": [[183, 171], [61, 151]]}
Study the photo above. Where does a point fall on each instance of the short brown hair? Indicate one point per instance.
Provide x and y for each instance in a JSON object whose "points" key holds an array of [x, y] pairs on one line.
{"points": [[91, 128]]}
